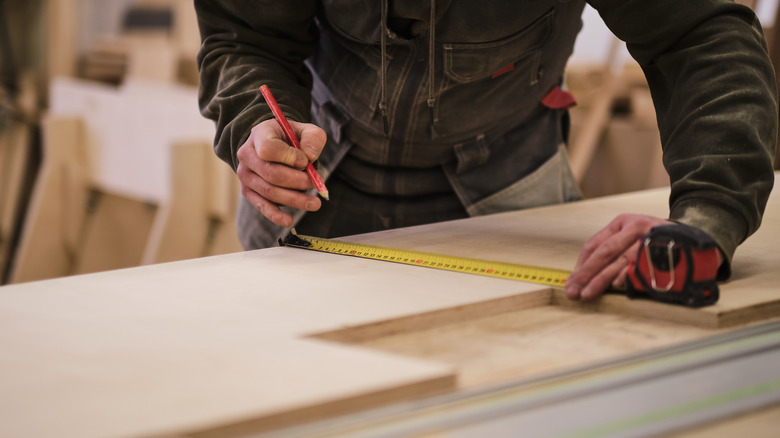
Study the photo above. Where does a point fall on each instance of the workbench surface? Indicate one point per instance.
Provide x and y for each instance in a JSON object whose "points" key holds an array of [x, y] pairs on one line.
{"points": [[258, 340]]}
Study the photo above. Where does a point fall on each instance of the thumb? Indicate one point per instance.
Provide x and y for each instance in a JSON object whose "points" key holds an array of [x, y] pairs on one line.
{"points": [[311, 137]]}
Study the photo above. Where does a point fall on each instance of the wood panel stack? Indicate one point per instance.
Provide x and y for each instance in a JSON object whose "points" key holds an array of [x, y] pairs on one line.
{"points": [[127, 175], [125, 182]]}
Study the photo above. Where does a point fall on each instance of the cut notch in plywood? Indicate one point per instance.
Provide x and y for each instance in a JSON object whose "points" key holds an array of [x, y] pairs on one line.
{"points": [[437, 318], [530, 335]]}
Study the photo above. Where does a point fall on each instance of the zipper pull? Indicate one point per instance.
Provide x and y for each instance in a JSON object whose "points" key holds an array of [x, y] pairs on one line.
{"points": [[383, 110]]}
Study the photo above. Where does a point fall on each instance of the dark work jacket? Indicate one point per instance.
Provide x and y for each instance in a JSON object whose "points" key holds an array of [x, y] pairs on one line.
{"points": [[491, 62]]}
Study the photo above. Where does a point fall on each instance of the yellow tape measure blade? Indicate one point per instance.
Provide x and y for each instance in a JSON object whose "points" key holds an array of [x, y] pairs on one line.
{"points": [[532, 274]]}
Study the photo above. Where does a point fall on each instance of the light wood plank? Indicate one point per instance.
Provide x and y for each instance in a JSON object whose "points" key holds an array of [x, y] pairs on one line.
{"points": [[15, 144], [53, 225], [195, 220], [115, 233]]}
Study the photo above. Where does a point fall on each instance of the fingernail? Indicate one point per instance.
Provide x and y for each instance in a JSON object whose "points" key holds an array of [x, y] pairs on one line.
{"points": [[572, 292], [311, 205], [588, 294]]}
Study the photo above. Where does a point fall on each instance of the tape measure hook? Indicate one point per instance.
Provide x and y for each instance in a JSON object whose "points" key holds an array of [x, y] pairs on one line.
{"points": [[293, 239]]}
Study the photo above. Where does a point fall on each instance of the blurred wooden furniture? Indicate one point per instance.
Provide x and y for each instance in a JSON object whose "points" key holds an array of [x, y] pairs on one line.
{"points": [[125, 182]]}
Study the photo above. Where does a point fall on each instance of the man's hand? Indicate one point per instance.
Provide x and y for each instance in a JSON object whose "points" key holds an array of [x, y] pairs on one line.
{"points": [[604, 258], [271, 173]]}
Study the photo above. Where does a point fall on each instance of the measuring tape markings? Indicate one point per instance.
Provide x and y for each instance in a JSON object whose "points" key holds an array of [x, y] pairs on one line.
{"points": [[533, 274]]}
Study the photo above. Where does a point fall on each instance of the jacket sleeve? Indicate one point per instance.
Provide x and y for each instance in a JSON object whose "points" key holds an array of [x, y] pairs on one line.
{"points": [[245, 45], [715, 96]]}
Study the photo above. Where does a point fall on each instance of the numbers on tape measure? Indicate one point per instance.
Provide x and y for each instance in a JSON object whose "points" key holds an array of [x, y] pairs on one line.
{"points": [[533, 274]]}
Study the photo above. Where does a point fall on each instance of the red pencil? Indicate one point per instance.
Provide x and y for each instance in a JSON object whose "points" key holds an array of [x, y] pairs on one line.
{"points": [[288, 131]]}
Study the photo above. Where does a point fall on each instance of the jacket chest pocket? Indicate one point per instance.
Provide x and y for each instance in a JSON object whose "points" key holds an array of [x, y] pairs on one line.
{"points": [[518, 53], [350, 71]]}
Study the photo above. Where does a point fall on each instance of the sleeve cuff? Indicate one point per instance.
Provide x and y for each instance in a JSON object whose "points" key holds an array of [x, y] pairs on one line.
{"points": [[722, 224]]}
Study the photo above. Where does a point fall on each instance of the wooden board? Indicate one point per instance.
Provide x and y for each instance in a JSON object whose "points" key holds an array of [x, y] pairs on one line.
{"points": [[199, 219], [237, 343], [115, 233], [15, 157], [53, 225]]}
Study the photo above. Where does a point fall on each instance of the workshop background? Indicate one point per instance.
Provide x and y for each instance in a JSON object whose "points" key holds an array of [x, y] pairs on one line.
{"points": [[106, 163]]}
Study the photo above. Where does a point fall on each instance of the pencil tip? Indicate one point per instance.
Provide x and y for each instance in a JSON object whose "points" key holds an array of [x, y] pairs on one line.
{"points": [[325, 195]]}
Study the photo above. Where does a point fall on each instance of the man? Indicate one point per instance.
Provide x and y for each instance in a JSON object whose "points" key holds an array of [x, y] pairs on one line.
{"points": [[421, 112]]}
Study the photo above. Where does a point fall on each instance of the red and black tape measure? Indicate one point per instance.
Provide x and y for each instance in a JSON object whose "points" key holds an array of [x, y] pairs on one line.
{"points": [[675, 264]]}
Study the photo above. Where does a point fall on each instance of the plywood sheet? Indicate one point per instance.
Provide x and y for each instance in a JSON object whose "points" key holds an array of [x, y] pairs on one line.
{"points": [[211, 343], [223, 344]]}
